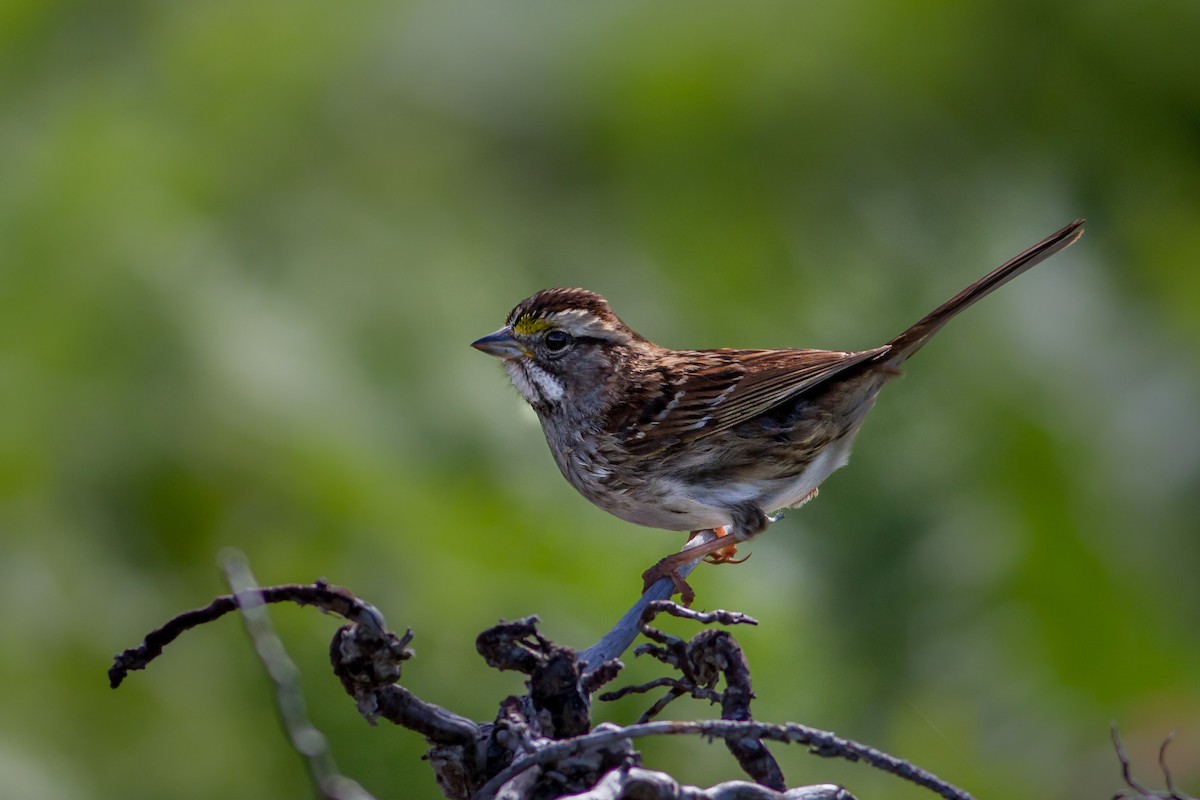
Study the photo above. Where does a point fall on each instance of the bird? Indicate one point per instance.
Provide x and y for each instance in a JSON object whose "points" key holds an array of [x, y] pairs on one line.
{"points": [[698, 440]]}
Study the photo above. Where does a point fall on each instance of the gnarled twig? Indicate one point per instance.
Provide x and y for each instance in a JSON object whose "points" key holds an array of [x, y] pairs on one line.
{"points": [[333, 599], [540, 741], [1142, 793], [819, 742]]}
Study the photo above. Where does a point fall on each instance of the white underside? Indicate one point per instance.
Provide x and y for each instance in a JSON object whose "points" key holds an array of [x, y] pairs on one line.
{"points": [[691, 508]]}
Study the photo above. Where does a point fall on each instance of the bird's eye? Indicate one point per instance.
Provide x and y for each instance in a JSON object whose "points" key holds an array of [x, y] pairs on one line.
{"points": [[557, 341]]}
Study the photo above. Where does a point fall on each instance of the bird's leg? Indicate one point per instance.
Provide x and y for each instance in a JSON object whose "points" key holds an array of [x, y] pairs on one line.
{"points": [[669, 566], [748, 521]]}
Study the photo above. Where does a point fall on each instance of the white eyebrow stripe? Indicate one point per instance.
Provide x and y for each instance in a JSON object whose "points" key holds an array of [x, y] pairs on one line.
{"points": [[581, 322]]}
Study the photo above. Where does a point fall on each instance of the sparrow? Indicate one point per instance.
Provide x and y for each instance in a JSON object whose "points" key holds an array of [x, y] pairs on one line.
{"points": [[694, 440]]}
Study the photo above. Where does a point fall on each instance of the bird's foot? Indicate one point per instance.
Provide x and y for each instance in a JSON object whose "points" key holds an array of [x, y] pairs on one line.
{"points": [[726, 554], [669, 567]]}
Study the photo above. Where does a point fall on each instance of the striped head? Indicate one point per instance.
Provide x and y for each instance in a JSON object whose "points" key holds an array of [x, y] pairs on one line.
{"points": [[559, 343]]}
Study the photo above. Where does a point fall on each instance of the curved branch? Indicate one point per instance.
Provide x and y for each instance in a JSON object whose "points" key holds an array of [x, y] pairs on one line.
{"points": [[1143, 793], [333, 599], [647, 784], [822, 743], [476, 759], [709, 654], [617, 640]]}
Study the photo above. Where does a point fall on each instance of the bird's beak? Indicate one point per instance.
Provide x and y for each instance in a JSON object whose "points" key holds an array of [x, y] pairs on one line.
{"points": [[500, 344]]}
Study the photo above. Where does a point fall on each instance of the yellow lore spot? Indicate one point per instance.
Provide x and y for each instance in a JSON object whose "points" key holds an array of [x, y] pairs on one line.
{"points": [[526, 326]]}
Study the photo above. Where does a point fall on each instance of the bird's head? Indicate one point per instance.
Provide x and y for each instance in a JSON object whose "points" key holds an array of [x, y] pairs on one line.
{"points": [[560, 344]]}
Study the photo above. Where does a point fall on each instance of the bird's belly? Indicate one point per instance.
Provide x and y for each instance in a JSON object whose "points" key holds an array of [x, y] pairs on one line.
{"points": [[675, 503], [669, 507], [656, 501], [682, 496]]}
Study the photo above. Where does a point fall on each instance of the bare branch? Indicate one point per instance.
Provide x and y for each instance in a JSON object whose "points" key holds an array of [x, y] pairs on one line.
{"points": [[668, 698], [709, 655], [821, 743], [1166, 771], [333, 599], [644, 784], [604, 673], [540, 744], [368, 667], [718, 616], [642, 688], [515, 645], [617, 640], [1126, 769], [366, 656], [1140, 791]]}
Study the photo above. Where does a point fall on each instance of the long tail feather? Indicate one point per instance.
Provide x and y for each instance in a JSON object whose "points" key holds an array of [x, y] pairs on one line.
{"points": [[915, 337]]}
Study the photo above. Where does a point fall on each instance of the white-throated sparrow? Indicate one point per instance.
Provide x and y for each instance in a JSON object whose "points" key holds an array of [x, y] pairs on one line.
{"points": [[690, 440]]}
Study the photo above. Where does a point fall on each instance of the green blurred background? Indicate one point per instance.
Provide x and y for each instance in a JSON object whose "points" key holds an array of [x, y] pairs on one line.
{"points": [[245, 246]]}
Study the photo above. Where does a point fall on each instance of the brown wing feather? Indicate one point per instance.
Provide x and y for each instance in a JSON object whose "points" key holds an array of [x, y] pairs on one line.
{"points": [[722, 388]]}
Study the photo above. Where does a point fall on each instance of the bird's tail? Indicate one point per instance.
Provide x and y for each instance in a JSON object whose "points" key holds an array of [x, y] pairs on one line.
{"points": [[907, 343]]}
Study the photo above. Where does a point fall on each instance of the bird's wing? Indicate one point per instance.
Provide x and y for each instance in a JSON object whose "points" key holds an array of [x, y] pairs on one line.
{"points": [[717, 389]]}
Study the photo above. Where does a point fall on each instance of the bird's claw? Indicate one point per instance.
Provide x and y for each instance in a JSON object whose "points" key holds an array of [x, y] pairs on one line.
{"points": [[665, 569], [726, 556]]}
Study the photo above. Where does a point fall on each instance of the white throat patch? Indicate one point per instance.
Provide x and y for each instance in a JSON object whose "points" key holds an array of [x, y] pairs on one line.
{"points": [[537, 386]]}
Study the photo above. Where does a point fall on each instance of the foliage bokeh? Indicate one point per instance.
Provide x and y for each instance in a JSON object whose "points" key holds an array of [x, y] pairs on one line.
{"points": [[244, 247]]}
